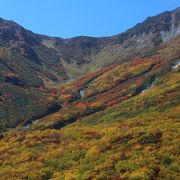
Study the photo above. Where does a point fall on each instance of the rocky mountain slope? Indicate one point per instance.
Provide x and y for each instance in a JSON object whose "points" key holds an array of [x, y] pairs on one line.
{"points": [[84, 54]]}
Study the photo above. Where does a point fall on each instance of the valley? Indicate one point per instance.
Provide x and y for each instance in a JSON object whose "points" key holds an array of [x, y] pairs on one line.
{"points": [[91, 108]]}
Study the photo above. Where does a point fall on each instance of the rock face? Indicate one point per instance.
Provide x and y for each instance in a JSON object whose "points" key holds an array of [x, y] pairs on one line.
{"points": [[32, 64], [174, 29]]}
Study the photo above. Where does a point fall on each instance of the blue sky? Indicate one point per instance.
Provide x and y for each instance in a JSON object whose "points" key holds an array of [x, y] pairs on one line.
{"points": [[69, 18]]}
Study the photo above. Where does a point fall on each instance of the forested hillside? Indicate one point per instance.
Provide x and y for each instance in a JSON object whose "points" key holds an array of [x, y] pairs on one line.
{"points": [[91, 108]]}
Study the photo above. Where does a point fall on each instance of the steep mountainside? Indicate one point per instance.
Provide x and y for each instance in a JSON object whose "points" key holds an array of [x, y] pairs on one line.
{"points": [[109, 86], [32, 65], [118, 121]]}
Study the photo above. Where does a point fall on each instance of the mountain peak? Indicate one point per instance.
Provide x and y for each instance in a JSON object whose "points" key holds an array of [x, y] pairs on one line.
{"points": [[177, 9]]}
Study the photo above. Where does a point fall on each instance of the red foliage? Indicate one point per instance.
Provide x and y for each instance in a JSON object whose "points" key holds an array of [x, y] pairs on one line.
{"points": [[58, 68]]}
